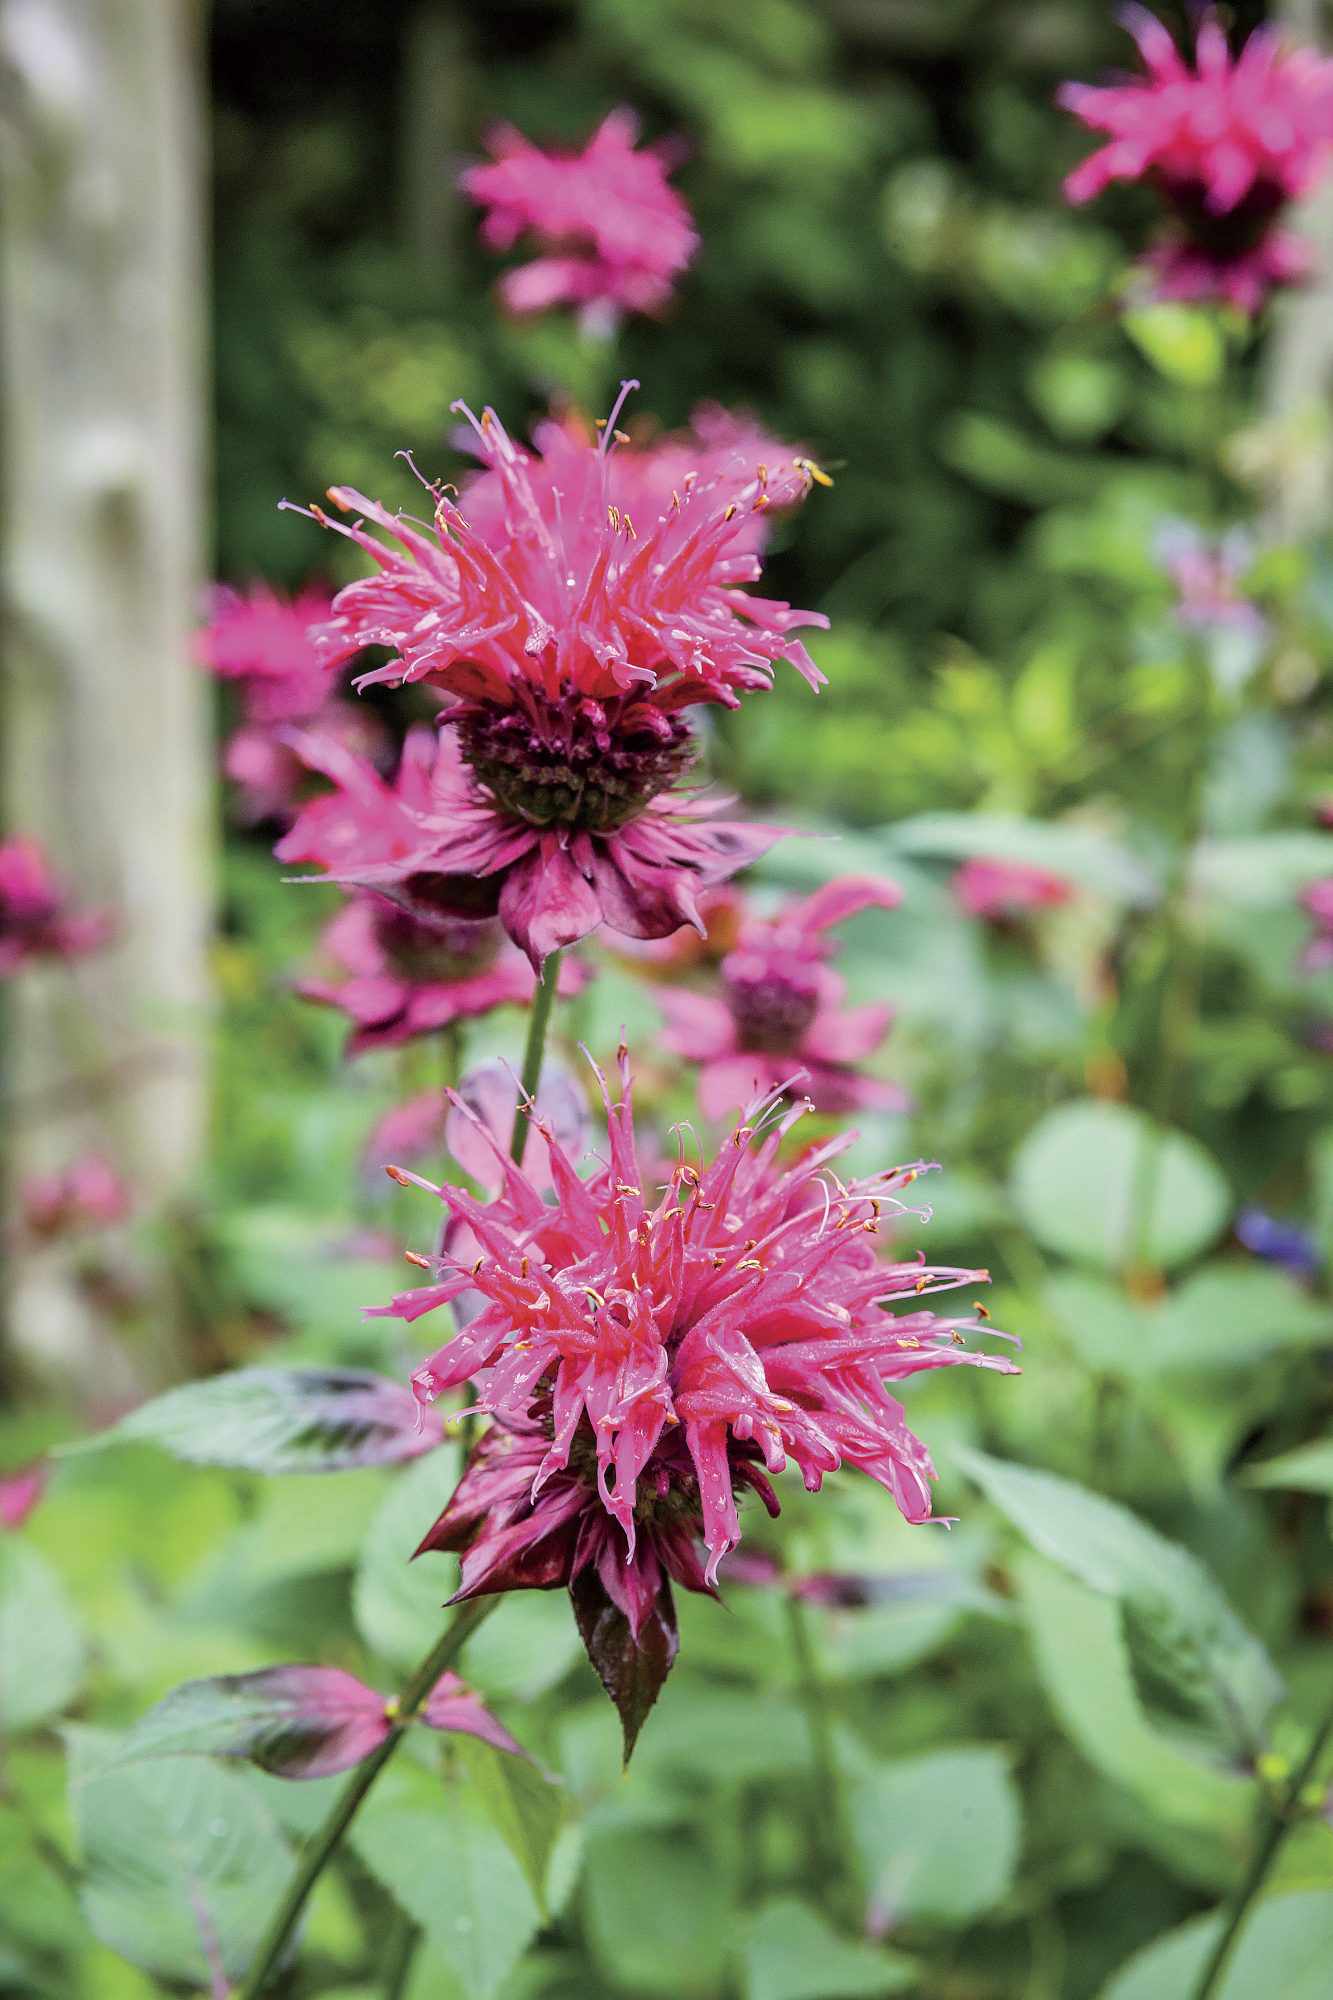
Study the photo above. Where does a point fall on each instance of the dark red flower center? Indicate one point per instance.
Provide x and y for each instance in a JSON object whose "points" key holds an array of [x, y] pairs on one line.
{"points": [[1224, 239], [445, 949], [589, 765], [772, 1008]]}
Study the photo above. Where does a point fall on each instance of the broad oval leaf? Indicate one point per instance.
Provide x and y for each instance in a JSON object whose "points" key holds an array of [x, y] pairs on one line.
{"points": [[936, 1836], [792, 1953], [1308, 1469], [1194, 1643], [42, 1653], [181, 1860], [1077, 1180], [283, 1420], [1285, 1950], [1083, 856], [659, 1912]]}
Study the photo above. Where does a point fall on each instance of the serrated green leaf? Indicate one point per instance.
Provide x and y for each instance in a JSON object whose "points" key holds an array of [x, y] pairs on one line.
{"points": [[525, 1808], [398, 1604], [1191, 1638], [435, 1847], [1084, 1666], [181, 1860], [42, 1653], [1308, 1469], [282, 1420], [1285, 1949], [658, 1911]]}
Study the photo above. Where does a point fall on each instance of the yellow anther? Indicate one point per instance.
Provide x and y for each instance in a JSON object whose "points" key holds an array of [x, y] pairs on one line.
{"points": [[812, 471]]}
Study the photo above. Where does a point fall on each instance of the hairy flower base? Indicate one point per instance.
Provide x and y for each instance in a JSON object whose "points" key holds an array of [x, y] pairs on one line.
{"points": [[644, 1354]]}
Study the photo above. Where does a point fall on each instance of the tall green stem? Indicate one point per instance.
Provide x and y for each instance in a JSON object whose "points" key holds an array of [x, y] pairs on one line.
{"points": [[1281, 1818], [324, 1843], [542, 1002]]}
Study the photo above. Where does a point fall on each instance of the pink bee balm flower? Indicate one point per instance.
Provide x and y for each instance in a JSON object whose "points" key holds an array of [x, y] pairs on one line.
{"points": [[35, 919], [650, 1353], [613, 233], [1003, 892], [1317, 902], [573, 641], [87, 1194], [262, 643], [1227, 144], [782, 1010], [408, 975]]}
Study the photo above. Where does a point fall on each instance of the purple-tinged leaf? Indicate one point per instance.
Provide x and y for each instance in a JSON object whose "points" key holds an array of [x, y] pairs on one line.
{"points": [[453, 1706], [631, 1672], [297, 1721], [283, 1420]]}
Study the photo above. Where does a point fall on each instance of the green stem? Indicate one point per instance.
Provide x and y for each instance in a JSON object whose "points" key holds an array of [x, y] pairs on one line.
{"points": [[1281, 1819], [402, 1949], [827, 1821], [539, 1020], [324, 1843]]}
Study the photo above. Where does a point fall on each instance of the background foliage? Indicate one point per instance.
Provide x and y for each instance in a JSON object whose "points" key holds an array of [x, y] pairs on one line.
{"points": [[1053, 1724]]}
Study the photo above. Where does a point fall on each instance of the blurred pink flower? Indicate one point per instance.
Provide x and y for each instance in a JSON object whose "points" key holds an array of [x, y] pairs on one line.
{"points": [[1317, 902], [428, 1125], [1226, 144], [612, 233], [1002, 892], [262, 643], [782, 1011], [20, 1492], [738, 1311], [407, 976], [87, 1194], [1206, 572], [35, 919]]}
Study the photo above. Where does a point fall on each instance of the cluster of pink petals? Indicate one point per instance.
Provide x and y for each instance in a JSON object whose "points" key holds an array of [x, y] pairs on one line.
{"points": [[436, 843], [613, 233], [1206, 573], [1227, 144], [782, 1009], [557, 590], [675, 1344], [1001, 892], [404, 976], [36, 920], [1317, 902], [261, 643], [88, 1194]]}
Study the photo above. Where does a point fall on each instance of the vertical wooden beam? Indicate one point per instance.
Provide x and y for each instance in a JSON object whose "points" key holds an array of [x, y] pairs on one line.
{"points": [[105, 755]]}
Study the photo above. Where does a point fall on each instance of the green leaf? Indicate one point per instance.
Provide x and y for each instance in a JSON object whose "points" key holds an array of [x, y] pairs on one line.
{"points": [[658, 1911], [1232, 1314], [398, 1604], [436, 1848], [282, 1420], [1285, 1950], [181, 1860], [42, 1654], [1308, 1469], [1192, 1640], [1076, 1181], [1182, 343], [1265, 869], [1084, 1667], [936, 1836], [525, 1808], [792, 1953]]}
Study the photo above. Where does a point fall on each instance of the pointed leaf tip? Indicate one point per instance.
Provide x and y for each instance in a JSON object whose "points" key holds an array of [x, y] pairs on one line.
{"points": [[631, 1672]]}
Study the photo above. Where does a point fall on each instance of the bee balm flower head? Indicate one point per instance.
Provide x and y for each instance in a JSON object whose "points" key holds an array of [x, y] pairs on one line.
{"points": [[612, 232], [573, 641], [646, 1354], [1227, 144]]}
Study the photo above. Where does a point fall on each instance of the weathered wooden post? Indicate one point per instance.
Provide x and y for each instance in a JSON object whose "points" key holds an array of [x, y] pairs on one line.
{"points": [[105, 753]]}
